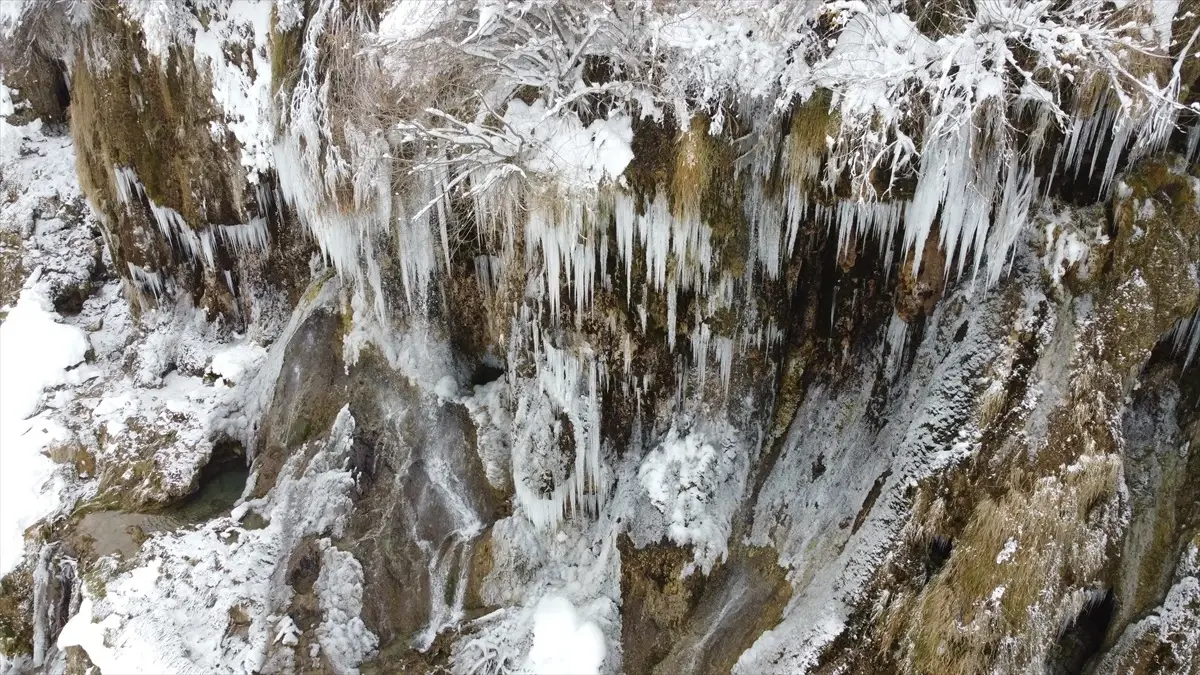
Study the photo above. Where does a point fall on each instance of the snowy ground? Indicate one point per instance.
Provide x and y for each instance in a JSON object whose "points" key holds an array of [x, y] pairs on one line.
{"points": [[38, 351]]}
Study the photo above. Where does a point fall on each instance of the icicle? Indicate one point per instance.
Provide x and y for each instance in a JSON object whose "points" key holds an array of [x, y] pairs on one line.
{"points": [[340, 235], [700, 337], [724, 352], [442, 199], [625, 216], [245, 238], [942, 163], [151, 281], [671, 307], [240, 239], [603, 255], [1193, 142], [766, 217], [654, 231], [565, 232], [1185, 338], [415, 245], [1020, 186], [207, 247], [571, 386], [128, 186], [483, 273], [627, 353], [1088, 133], [262, 197]]}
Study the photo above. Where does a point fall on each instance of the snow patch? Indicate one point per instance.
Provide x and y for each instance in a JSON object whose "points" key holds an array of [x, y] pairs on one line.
{"points": [[696, 483], [35, 353], [564, 643], [232, 363]]}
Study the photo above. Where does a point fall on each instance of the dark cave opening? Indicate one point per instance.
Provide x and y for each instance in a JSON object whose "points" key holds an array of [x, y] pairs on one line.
{"points": [[486, 373], [62, 86], [938, 552], [1081, 638]]}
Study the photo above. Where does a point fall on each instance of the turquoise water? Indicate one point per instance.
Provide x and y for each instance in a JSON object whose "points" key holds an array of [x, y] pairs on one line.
{"points": [[216, 496]]}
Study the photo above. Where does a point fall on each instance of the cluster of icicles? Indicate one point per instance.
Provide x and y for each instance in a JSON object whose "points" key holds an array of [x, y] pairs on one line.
{"points": [[977, 202], [195, 245]]}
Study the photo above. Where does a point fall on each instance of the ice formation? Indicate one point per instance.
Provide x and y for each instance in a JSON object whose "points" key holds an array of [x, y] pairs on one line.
{"points": [[649, 219]]}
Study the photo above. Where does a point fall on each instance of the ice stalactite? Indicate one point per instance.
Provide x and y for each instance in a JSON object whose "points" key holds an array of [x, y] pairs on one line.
{"points": [[853, 220], [896, 342], [171, 224], [489, 270], [1086, 136], [341, 237], [1193, 142], [1012, 213], [679, 253], [146, 280], [556, 463], [766, 218], [949, 185], [416, 247], [566, 232], [723, 347], [196, 245], [343, 192], [244, 238], [624, 219], [1102, 134], [1185, 338]]}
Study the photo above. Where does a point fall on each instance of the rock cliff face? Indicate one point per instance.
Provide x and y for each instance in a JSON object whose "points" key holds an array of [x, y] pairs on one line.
{"points": [[599, 336]]}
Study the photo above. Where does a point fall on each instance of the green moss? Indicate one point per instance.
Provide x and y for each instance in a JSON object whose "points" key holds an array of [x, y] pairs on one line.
{"points": [[791, 389], [1159, 556], [1144, 286], [812, 122], [285, 56], [314, 289], [154, 117], [16, 630]]}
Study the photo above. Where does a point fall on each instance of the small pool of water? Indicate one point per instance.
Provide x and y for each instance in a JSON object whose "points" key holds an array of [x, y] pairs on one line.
{"points": [[109, 532], [218, 492]]}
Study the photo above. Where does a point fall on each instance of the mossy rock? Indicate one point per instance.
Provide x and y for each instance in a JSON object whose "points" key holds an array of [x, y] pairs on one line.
{"points": [[41, 87], [156, 117], [16, 611], [655, 601], [285, 55], [1145, 284], [12, 272]]}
